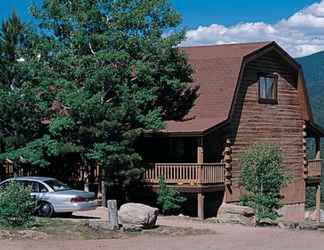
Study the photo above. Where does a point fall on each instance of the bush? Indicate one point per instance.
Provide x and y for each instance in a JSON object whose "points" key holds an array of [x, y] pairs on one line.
{"points": [[262, 178], [310, 199], [16, 205], [169, 199]]}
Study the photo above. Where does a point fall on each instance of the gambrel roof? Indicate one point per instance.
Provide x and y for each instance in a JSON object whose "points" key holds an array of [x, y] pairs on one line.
{"points": [[218, 70]]}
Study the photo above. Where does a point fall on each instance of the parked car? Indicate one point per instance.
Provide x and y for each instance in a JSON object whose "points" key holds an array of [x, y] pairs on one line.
{"points": [[53, 196]]}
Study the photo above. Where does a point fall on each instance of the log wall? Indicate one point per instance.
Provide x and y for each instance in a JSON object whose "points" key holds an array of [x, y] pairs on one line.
{"points": [[281, 123]]}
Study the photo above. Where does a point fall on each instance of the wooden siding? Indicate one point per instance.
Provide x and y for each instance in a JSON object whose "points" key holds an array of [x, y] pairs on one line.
{"points": [[281, 123]]}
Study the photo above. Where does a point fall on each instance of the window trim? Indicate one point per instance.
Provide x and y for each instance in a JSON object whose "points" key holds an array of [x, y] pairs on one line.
{"points": [[273, 100]]}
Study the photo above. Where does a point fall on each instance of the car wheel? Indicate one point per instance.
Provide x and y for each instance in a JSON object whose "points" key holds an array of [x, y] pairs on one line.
{"points": [[45, 209]]}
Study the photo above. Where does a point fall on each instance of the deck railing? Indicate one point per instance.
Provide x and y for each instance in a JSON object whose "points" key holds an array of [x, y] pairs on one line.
{"points": [[186, 173], [314, 168]]}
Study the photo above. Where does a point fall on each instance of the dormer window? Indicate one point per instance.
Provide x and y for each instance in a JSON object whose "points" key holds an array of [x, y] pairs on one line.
{"points": [[268, 88]]}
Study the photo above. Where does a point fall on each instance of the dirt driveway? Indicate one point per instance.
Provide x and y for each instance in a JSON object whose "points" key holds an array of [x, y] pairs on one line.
{"points": [[222, 237]]}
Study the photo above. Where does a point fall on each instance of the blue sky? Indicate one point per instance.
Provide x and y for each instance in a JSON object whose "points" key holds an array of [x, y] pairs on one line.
{"points": [[206, 12], [297, 25], [230, 12]]}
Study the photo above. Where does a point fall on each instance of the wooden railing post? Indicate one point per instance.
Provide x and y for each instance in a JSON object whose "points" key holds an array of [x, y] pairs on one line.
{"points": [[200, 174], [200, 150], [305, 161], [228, 163]]}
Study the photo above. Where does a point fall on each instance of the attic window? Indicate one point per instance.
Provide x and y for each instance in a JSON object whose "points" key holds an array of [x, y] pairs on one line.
{"points": [[268, 88]]}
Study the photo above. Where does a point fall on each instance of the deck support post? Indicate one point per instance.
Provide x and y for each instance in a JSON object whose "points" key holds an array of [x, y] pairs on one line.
{"points": [[200, 195], [318, 148], [201, 205], [318, 202]]}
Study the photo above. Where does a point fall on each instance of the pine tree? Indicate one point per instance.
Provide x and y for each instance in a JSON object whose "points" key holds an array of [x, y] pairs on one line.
{"points": [[108, 70]]}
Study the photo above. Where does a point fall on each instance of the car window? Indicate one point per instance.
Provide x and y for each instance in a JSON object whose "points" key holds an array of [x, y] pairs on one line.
{"points": [[4, 185], [56, 185], [38, 187], [26, 184]]}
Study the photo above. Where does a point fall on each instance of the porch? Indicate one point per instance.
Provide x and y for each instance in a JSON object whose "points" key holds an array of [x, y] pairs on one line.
{"points": [[313, 168], [203, 174], [312, 150]]}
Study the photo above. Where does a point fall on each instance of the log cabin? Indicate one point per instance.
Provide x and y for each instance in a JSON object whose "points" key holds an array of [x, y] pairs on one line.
{"points": [[248, 93]]}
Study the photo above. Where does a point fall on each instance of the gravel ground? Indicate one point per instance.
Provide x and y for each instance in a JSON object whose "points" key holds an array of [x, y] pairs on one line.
{"points": [[221, 237]]}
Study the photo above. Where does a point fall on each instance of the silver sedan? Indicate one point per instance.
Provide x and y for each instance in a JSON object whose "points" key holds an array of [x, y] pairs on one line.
{"points": [[54, 196]]}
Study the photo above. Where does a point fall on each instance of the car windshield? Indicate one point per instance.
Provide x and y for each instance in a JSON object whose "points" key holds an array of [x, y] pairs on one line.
{"points": [[56, 185]]}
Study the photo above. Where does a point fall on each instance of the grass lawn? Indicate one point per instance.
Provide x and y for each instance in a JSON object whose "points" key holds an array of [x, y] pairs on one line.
{"points": [[68, 229]]}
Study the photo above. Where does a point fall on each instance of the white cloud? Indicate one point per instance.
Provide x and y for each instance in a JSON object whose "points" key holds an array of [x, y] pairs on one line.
{"points": [[300, 34]]}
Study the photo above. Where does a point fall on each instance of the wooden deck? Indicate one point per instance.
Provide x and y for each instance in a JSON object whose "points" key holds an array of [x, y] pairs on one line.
{"points": [[186, 175], [314, 172], [314, 168]]}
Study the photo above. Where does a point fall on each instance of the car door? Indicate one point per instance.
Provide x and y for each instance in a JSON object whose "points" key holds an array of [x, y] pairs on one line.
{"points": [[39, 191]]}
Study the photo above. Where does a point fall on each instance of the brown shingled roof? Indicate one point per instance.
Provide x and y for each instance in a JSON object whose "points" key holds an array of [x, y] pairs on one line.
{"points": [[217, 70]]}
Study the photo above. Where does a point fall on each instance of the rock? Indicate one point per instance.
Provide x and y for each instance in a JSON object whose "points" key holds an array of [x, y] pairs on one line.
{"points": [[235, 219], [237, 209], [303, 225], [314, 215], [5, 235], [101, 225], [287, 225], [307, 225], [235, 214], [132, 228], [138, 214], [307, 215], [30, 234], [267, 222]]}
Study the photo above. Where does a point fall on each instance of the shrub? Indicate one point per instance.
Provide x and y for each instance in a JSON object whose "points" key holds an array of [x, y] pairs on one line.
{"points": [[169, 199], [262, 178], [16, 205], [310, 197]]}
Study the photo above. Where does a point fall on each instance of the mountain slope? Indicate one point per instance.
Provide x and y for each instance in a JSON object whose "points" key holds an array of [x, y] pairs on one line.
{"points": [[313, 66]]}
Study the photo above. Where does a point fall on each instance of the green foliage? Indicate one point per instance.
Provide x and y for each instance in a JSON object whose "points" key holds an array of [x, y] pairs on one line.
{"points": [[94, 76], [16, 205], [262, 179], [310, 199], [169, 199]]}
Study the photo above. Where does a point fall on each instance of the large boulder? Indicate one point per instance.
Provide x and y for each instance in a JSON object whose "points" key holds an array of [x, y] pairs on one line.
{"points": [[314, 215], [235, 214], [138, 214]]}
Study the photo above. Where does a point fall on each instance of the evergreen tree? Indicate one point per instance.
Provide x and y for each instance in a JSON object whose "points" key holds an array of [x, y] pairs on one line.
{"points": [[19, 108], [106, 73]]}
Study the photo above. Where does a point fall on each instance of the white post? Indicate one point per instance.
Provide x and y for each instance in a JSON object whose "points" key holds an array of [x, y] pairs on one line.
{"points": [[112, 214]]}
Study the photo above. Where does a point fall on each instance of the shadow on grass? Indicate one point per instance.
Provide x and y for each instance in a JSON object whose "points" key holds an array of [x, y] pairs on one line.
{"points": [[76, 217]]}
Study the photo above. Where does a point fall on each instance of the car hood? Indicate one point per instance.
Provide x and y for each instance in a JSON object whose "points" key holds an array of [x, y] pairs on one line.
{"points": [[74, 192]]}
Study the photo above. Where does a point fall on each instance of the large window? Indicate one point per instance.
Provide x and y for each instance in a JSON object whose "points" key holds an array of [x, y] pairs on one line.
{"points": [[268, 88]]}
